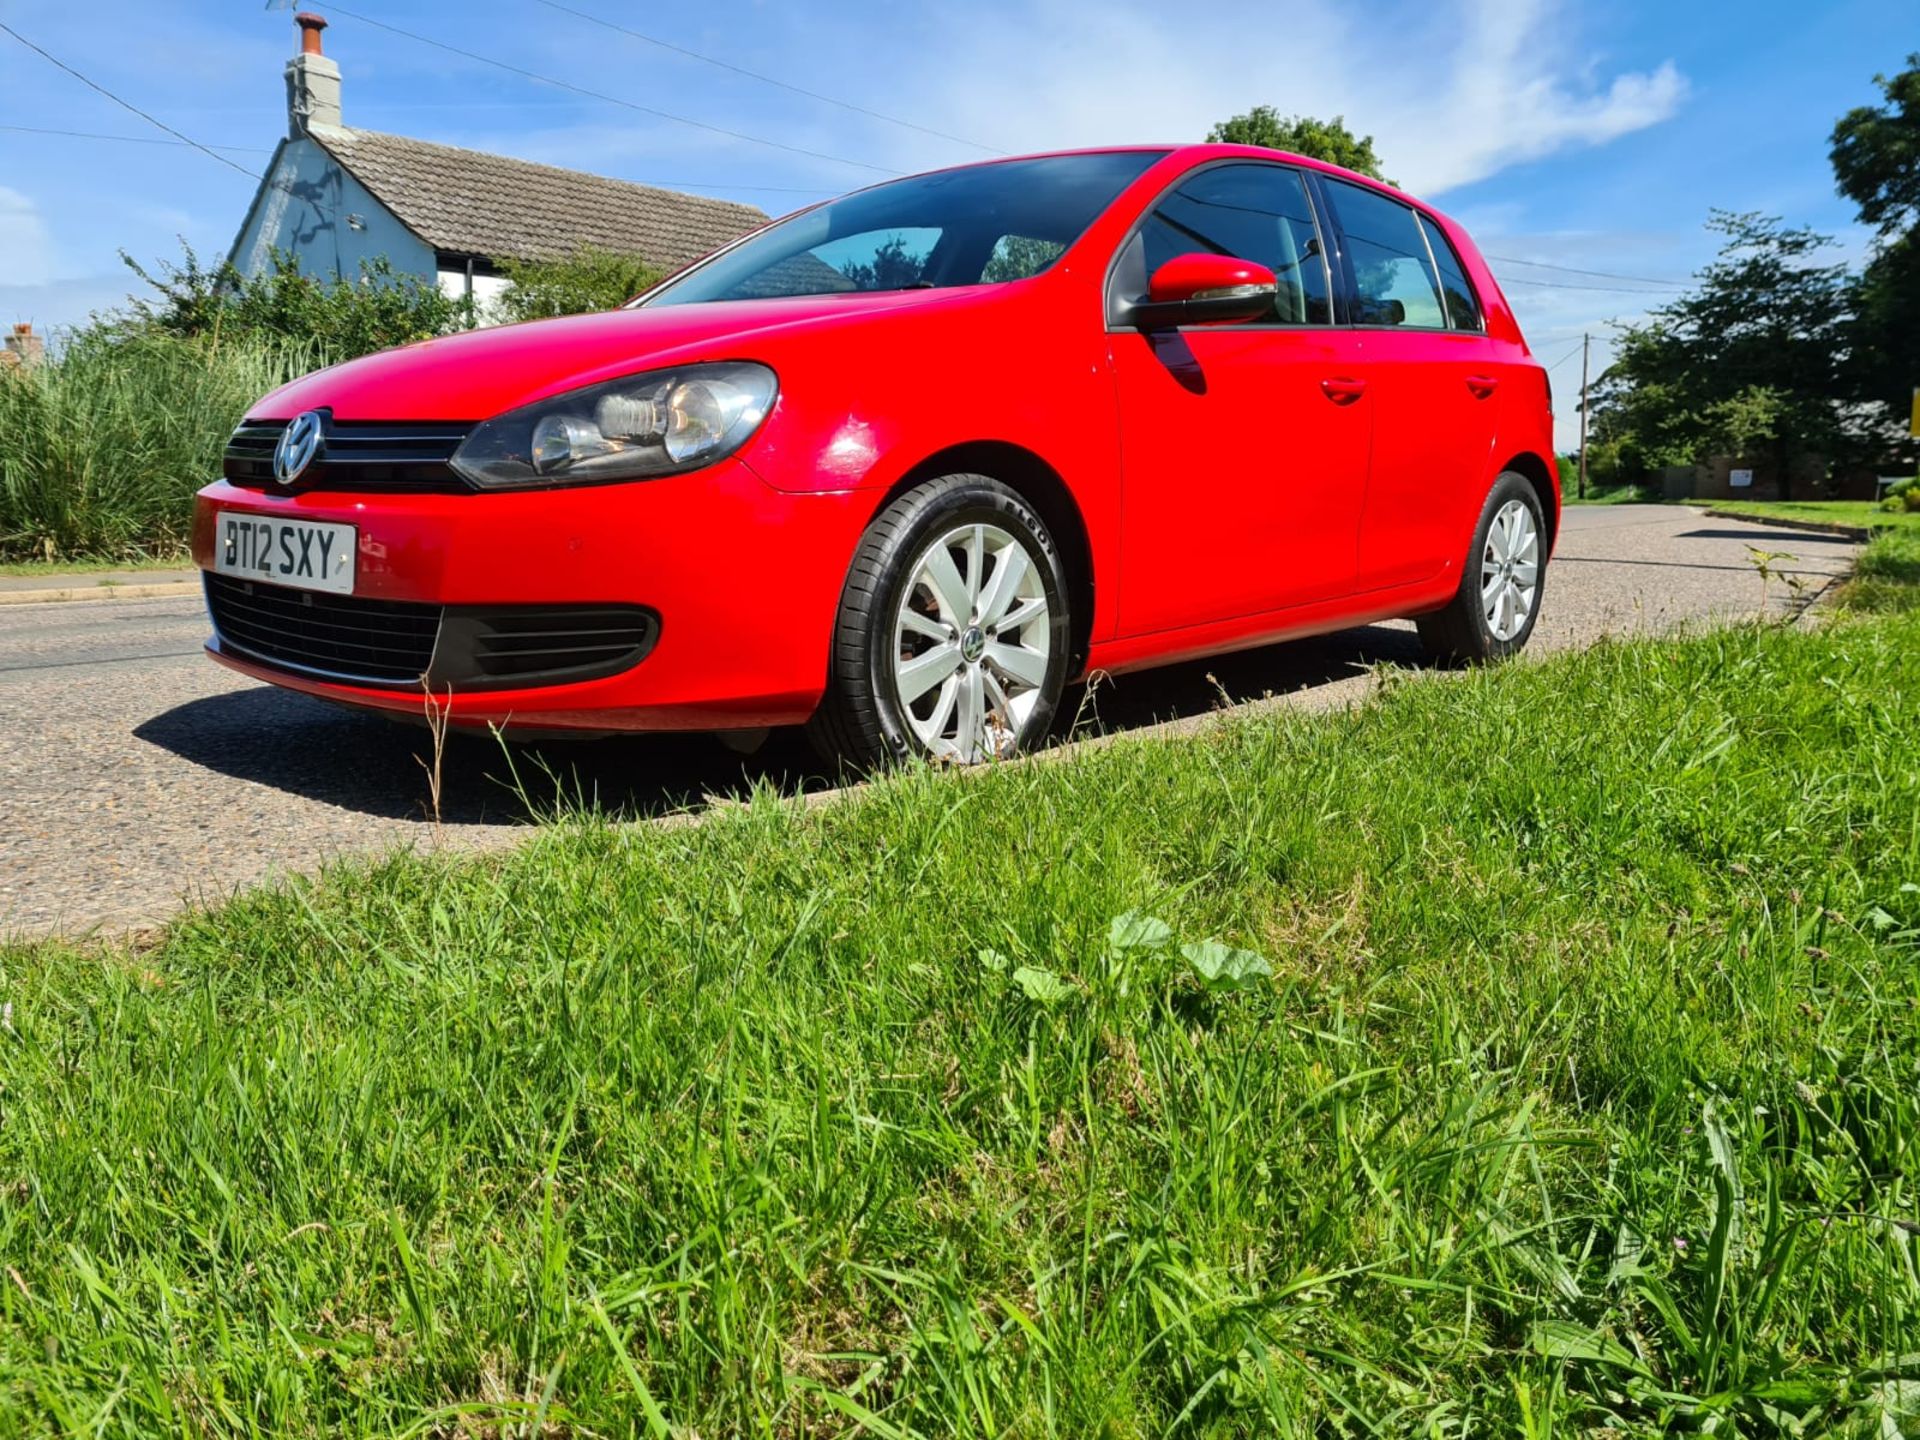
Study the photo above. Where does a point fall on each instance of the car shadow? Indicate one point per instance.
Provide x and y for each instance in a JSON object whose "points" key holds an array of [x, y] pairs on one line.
{"points": [[368, 765]]}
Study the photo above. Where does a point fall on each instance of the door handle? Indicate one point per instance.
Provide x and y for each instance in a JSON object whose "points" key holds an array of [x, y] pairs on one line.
{"points": [[1343, 391], [1483, 385]]}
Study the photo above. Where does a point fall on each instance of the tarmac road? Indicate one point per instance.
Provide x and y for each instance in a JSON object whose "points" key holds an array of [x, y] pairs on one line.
{"points": [[137, 774]]}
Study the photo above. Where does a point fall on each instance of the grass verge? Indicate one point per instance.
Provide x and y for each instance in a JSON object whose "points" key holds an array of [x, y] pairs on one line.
{"points": [[52, 569], [1557, 1067], [1887, 577], [1862, 513]]}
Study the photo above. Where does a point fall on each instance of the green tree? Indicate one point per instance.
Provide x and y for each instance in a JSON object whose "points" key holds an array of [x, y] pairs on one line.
{"points": [[1744, 364], [587, 280], [1876, 154], [893, 267], [1876, 164], [1328, 140]]}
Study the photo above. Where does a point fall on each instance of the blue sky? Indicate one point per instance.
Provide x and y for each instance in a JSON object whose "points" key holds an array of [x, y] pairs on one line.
{"points": [[1577, 134]]}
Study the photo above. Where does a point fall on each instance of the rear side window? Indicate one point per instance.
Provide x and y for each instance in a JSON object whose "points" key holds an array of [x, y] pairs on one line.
{"points": [[1393, 277], [1251, 212], [1463, 306]]}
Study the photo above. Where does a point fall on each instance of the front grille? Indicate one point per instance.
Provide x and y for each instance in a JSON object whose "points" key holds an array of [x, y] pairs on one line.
{"points": [[342, 637], [393, 456], [398, 642]]}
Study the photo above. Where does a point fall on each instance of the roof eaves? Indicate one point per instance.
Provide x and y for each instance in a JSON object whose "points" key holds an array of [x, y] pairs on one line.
{"points": [[321, 135], [253, 205]]}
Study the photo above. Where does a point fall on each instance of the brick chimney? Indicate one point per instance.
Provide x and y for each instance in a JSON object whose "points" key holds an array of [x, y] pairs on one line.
{"points": [[313, 82], [23, 347]]}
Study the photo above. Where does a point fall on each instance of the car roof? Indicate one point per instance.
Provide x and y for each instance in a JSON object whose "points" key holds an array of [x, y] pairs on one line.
{"points": [[1188, 153]]}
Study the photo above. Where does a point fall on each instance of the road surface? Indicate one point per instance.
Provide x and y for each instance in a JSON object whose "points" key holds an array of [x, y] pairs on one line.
{"points": [[137, 774]]}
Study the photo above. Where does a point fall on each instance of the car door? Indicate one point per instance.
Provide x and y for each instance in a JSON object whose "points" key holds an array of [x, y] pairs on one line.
{"points": [[1433, 385], [1244, 446]]}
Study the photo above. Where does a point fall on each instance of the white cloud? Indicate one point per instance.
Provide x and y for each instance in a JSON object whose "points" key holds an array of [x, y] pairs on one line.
{"points": [[26, 249], [1502, 102], [1449, 97]]}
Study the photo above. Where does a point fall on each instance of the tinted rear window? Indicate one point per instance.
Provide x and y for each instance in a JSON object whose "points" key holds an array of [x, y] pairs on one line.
{"points": [[1393, 277], [1463, 306]]}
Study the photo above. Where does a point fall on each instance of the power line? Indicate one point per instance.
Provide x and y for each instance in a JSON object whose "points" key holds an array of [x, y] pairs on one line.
{"points": [[1596, 274], [258, 150], [1569, 355], [213, 152], [127, 104], [610, 99], [1563, 285], [178, 138], [129, 139], [768, 79]]}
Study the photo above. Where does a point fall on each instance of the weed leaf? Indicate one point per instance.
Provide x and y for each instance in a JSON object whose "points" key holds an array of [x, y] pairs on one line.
{"points": [[1134, 931], [993, 960], [1562, 1340], [1042, 986], [1628, 1248], [1221, 967]]}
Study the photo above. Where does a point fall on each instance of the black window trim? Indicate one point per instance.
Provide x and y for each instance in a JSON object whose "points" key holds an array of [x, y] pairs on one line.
{"points": [[1351, 286], [1429, 227], [1336, 307]]}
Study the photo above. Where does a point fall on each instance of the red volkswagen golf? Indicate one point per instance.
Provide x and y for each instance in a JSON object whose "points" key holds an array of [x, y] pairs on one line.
{"points": [[903, 465]]}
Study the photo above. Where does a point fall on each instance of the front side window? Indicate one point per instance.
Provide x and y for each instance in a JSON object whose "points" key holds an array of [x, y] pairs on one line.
{"points": [[1393, 277], [1463, 306], [1252, 212], [880, 259], [977, 225], [1015, 257]]}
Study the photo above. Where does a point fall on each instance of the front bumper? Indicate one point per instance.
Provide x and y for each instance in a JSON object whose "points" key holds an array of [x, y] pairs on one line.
{"points": [[744, 580]]}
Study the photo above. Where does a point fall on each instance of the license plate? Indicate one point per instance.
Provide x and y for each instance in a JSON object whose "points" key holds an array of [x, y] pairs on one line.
{"points": [[306, 554]]}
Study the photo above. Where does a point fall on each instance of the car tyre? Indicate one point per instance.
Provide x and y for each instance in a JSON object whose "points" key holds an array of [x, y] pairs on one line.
{"points": [[1493, 612], [953, 635]]}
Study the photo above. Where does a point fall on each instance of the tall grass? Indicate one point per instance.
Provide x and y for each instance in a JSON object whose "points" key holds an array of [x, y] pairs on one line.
{"points": [[101, 450], [1560, 1076]]}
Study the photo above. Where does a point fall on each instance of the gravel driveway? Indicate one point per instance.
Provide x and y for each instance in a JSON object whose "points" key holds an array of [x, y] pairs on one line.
{"points": [[139, 774]]}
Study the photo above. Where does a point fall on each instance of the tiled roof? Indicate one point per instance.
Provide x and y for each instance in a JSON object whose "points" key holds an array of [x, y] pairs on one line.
{"points": [[472, 203]]}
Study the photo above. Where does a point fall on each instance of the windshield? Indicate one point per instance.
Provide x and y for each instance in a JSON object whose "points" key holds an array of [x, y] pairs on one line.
{"points": [[980, 225]]}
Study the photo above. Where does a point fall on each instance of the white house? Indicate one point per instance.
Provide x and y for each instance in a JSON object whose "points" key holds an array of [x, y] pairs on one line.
{"points": [[335, 196]]}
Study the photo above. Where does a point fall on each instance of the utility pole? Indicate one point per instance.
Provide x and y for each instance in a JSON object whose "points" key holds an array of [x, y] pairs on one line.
{"points": [[1586, 349]]}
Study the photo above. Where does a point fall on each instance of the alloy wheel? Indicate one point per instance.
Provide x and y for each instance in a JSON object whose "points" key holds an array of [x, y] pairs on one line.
{"points": [[972, 643], [1510, 570]]}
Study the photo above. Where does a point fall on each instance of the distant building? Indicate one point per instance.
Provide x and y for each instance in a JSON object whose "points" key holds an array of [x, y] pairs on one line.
{"points": [[23, 348], [334, 197]]}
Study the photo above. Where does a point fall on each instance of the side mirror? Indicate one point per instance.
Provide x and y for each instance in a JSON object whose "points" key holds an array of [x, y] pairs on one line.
{"points": [[1206, 290]]}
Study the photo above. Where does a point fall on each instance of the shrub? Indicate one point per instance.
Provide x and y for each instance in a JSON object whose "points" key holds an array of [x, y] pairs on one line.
{"points": [[101, 451], [587, 280], [378, 311]]}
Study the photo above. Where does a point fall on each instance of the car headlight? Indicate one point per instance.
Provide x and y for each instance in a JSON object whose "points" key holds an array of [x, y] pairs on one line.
{"points": [[632, 428]]}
